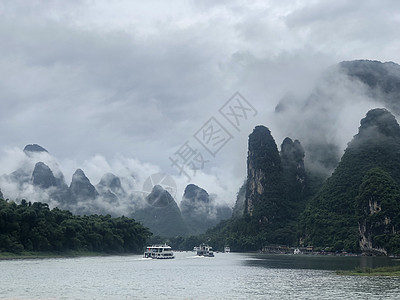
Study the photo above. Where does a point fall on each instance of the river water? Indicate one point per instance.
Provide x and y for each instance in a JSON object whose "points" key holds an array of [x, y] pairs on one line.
{"points": [[225, 276]]}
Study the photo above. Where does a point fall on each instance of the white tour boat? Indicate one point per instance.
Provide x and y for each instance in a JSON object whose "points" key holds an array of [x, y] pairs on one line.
{"points": [[227, 249], [205, 250], [159, 252]]}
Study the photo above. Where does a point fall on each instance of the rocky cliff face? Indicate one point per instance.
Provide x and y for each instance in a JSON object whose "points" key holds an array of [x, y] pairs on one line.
{"points": [[378, 210], [239, 207], [264, 176]]}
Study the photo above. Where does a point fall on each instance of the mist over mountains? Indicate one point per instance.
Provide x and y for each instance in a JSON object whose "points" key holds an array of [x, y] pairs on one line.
{"points": [[321, 120], [39, 178], [316, 128], [311, 194], [357, 209]]}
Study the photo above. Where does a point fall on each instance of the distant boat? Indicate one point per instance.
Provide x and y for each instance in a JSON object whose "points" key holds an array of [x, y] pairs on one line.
{"points": [[205, 250], [159, 252], [227, 249], [297, 251]]}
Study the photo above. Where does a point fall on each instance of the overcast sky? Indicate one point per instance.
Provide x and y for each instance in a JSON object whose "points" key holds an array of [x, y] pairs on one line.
{"points": [[117, 85]]}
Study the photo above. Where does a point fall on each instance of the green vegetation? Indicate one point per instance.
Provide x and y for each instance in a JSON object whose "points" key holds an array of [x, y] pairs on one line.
{"points": [[381, 271], [370, 167], [34, 227], [356, 210], [378, 210]]}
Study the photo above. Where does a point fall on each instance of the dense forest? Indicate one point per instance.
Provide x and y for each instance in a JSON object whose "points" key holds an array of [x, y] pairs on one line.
{"points": [[34, 227]]}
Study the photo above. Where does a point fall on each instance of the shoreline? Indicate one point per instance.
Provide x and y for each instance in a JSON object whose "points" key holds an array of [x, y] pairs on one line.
{"points": [[393, 271]]}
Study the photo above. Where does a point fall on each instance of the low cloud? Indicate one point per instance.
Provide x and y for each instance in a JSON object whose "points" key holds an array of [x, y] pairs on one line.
{"points": [[119, 87]]}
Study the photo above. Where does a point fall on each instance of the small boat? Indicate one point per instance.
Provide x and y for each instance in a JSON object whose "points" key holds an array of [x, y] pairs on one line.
{"points": [[227, 249], [297, 251], [205, 250], [159, 252]]}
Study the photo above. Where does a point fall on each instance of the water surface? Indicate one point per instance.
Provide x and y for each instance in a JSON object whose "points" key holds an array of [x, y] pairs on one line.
{"points": [[225, 276]]}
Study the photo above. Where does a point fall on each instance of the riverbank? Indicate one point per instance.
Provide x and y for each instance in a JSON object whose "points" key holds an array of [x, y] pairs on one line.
{"points": [[43, 255], [381, 271]]}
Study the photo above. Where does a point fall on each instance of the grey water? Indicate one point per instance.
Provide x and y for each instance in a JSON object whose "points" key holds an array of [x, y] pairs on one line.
{"points": [[225, 276]]}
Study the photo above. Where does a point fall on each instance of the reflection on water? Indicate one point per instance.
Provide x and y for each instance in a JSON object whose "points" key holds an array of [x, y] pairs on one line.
{"points": [[319, 262], [225, 276], [312, 277]]}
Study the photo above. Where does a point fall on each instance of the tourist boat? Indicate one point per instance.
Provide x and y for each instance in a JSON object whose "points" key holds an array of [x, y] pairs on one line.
{"points": [[227, 249], [159, 252], [205, 250]]}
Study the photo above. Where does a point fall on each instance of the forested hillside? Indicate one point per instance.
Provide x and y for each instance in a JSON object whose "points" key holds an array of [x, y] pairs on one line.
{"points": [[357, 209], [330, 219], [34, 227]]}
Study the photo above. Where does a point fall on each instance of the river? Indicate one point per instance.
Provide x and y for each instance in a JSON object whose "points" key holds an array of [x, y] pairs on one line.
{"points": [[225, 276]]}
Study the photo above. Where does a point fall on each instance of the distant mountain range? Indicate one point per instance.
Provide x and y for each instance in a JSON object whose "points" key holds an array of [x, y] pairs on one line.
{"points": [[157, 210]]}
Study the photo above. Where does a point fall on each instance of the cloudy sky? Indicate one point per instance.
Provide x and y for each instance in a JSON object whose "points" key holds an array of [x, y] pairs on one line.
{"points": [[121, 86]]}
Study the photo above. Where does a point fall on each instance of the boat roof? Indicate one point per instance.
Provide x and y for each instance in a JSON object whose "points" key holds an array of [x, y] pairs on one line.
{"points": [[159, 246]]}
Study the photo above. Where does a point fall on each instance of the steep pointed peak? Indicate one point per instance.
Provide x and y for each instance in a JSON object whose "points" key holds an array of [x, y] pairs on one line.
{"points": [[260, 132], [34, 148], [110, 180], [158, 189], [290, 148], [264, 170], [262, 145], [81, 188], [79, 173], [261, 129], [42, 176], [287, 141], [159, 197], [79, 176], [195, 193], [41, 164]]}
